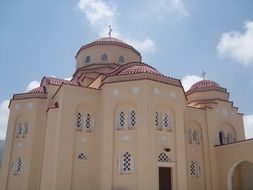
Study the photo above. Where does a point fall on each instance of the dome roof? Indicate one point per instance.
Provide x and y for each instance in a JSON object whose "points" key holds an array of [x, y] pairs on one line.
{"points": [[139, 69], [205, 84], [109, 41]]}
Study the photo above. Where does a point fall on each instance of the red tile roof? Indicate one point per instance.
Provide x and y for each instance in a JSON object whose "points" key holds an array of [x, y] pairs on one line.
{"points": [[139, 69], [39, 89], [204, 84], [58, 82]]}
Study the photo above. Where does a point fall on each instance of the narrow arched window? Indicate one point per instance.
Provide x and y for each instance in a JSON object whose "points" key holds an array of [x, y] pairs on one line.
{"points": [[17, 166], [121, 59], [133, 119], [87, 59], [104, 57], [125, 163], [21, 130], [89, 122], [79, 121], [158, 120], [194, 168]]}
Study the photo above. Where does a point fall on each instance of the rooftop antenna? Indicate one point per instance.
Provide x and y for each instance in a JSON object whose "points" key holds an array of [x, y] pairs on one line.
{"points": [[203, 75], [110, 31]]}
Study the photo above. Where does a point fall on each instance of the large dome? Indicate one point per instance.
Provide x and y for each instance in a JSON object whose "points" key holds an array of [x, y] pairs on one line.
{"points": [[109, 41], [107, 50]]}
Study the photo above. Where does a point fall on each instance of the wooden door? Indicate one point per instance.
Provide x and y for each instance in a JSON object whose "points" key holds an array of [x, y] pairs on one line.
{"points": [[164, 178]]}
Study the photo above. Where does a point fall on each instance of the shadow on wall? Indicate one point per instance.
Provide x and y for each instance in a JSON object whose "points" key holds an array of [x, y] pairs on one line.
{"points": [[1, 150]]}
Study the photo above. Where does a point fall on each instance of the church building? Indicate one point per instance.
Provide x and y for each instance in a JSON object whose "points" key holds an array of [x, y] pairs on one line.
{"points": [[120, 124]]}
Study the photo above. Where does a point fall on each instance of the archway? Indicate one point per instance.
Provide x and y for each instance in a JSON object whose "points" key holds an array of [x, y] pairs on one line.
{"points": [[240, 176]]}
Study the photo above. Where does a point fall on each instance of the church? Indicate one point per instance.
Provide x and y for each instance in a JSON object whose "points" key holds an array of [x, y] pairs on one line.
{"points": [[120, 124]]}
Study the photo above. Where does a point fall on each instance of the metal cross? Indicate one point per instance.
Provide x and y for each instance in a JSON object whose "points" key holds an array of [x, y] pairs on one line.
{"points": [[203, 74], [110, 31]]}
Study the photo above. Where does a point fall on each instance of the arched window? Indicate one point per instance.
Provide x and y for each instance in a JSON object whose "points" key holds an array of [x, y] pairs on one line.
{"points": [[163, 157], [164, 120], [79, 121], [194, 168], [121, 59], [158, 120], [125, 164], [126, 118], [89, 122], [229, 137], [17, 166], [133, 119], [87, 59], [194, 136], [104, 57], [21, 130]]}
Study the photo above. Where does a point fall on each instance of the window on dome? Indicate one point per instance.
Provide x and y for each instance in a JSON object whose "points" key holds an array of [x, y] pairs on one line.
{"points": [[17, 166], [79, 121], [21, 130], [194, 168], [125, 164], [87, 59], [121, 59], [104, 57], [163, 157]]}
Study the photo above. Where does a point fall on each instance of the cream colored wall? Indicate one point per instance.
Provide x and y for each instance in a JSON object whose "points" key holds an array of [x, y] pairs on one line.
{"points": [[66, 140], [228, 157], [148, 139], [29, 148], [196, 119], [113, 52]]}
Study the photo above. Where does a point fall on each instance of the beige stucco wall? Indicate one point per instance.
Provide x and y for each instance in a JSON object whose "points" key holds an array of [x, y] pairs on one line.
{"points": [[28, 148], [228, 157]]}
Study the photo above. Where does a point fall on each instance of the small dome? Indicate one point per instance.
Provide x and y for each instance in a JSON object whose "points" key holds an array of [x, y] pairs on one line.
{"points": [[139, 69], [110, 39], [205, 84]]}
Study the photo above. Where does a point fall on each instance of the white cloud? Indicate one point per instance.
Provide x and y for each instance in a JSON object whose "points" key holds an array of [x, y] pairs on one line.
{"points": [[172, 5], [248, 126], [4, 115], [238, 46], [146, 45], [101, 14], [189, 80], [32, 85]]}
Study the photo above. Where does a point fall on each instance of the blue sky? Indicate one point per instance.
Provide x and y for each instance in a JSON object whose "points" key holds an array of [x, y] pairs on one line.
{"points": [[178, 37]]}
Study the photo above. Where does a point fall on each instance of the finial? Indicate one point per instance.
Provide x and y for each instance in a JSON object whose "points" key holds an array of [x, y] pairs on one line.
{"points": [[203, 75], [110, 31]]}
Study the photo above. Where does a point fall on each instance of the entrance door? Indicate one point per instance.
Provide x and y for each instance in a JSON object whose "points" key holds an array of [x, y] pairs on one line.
{"points": [[164, 178]]}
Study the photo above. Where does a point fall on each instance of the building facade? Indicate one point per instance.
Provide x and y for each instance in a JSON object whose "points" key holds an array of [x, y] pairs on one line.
{"points": [[121, 124]]}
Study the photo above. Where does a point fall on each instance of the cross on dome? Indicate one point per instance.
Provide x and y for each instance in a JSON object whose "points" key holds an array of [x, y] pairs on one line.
{"points": [[110, 31], [203, 75]]}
